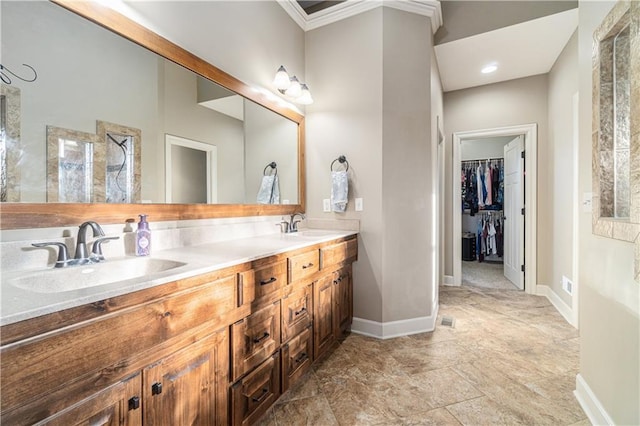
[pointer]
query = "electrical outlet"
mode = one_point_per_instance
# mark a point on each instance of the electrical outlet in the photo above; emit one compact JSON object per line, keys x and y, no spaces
{"x":567,"y":285}
{"x":359,"y":206}
{"x":326,"y":205}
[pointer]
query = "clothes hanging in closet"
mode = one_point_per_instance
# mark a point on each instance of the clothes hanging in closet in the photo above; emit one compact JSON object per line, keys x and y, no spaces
{"x":482,"y":184}
{"x":489,"y":236}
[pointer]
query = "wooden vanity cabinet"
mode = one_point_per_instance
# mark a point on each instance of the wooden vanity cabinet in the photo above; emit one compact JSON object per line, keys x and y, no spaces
{"x":189,"y":387}
{"x":117,"y":405}
{"x":214,"y":349}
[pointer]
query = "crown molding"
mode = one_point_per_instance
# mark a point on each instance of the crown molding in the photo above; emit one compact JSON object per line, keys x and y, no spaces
{"x":429,"y":8}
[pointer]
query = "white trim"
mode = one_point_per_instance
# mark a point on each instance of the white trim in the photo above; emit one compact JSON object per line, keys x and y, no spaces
{"x":560,"y":305}
{"x":590,"y":404}
{"x":448,"y":280}
{"x":349,"y":8}
{"x":389,"y":330}
{"x":530,"y":132}
{"x":211,"y":152}
{"x":575,"y":318}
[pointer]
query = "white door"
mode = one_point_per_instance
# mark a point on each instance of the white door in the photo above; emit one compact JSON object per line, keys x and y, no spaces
{"x":513,"y":204}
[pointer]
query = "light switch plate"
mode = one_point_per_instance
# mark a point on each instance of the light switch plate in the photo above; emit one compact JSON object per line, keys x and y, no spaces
{"x":587,"y":199}
{"x":359,"y":206}
{"x":326,"y":205}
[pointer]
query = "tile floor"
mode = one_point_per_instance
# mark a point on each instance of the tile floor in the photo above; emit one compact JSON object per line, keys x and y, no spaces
{"x":510,"y":359}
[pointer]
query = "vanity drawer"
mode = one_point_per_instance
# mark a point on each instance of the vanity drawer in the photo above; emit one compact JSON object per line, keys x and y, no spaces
{"x":263,"y":280}
{"x":254,"y":339}
{"x":252,"y":396}
{"x":296,"y":358}
{"x":304,"y":265}
{"x":338,"y":253}
{"x":297,"y":312}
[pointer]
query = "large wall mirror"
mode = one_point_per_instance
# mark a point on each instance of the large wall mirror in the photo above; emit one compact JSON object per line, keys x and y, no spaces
{"x":119,"y":116}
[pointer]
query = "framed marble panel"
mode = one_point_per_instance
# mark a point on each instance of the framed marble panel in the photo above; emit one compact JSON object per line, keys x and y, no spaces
{"x":122,"y":171}
{"x":616,"y":126}
{"x":73,"y":157}
{"x":10,"y":149}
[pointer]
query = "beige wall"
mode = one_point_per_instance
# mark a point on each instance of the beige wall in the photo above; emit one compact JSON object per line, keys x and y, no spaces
{"x":515,"y":102}
{"x":609,"y":296}
{"x":344,"y":60}
{"x":373,"y":73}
{"x":563,"y":84}
{"x":407,"y":167}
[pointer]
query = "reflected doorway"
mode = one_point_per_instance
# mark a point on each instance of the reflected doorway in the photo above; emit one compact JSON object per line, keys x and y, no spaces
{"x":191,"y":170}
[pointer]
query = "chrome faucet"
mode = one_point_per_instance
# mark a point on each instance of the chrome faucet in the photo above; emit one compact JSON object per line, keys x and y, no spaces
{"x":82,"y":255}
{"x":293,"y":224}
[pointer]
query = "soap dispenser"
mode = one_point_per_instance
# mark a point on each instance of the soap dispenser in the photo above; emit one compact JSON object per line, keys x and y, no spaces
{"x":143,"y":237}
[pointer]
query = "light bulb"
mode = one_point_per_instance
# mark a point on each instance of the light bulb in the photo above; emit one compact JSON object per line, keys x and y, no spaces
{"x":489,"y":69}
{"x":294,"y":89}
{"x":282,"y":80}
{"x":305,"y":95}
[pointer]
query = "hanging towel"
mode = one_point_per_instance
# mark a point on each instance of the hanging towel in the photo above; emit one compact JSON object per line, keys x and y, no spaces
{"x":339,"y":191}
{"x":269,"y":192}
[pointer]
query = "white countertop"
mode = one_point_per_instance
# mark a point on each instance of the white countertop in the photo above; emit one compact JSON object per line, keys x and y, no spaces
{"x":19,"y":304}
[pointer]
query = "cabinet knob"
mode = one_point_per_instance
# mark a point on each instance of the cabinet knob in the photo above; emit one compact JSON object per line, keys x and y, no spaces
{"x":156,"y":388}
{"x":134,"y":403}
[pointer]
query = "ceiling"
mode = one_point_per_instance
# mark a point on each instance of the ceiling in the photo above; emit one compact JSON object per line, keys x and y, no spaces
{"x":521,"y":50}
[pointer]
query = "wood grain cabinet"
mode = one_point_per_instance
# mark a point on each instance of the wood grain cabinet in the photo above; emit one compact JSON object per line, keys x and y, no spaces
{"x":214,"y":349}
{"x":116,"y":405}
{"x":189,"y":387}
{"x":254,"y":394}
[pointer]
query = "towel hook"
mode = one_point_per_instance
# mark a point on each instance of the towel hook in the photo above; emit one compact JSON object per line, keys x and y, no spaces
{"x":273,"y":166}
{"x":342,"y":160}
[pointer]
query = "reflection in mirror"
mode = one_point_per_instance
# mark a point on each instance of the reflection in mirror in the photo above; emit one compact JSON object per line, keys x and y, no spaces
{"x":73,"y":159}
{"x":110,"y":78}
{"x":9,"y":143}
{"x":190,"y":171}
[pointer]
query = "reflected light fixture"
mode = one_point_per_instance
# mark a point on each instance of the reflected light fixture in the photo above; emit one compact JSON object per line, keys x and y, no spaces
{"x":488,"y":69}
{"x":291,"y":87}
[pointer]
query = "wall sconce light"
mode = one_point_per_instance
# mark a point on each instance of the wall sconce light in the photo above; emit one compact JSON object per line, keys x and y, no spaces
{"x":292,"y":88}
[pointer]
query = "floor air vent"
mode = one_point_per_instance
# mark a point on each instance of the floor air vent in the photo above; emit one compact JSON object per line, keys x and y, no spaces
{"x":448,"y":321}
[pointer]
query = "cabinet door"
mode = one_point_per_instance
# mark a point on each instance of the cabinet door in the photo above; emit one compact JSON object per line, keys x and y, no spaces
{"x":252,"y":396}
{"x":342,"y":302}
{"x":189,"y":387}
{"x":296,"y":358}
{"x":296,"y":312}
{"x":323,"y":335}
{"x":254,"y":339}
{"x":116,"y":405}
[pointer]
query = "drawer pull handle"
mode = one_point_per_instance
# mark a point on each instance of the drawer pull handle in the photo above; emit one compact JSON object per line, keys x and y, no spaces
{"x":156,"y":388}
{"x":302,"y":357}
{"x":260,"y":339}
{"x":265,"y":392}
{"x":308,"y":265}
{"x":269,"y":281}
{"x":134,"y":403}
{"x":301,"y":311}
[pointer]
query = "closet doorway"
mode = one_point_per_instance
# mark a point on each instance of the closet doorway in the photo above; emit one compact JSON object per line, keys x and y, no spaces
{"x":493,"y":185}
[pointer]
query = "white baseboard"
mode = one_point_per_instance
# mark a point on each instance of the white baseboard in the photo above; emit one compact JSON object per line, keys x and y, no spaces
{"x":590,"y":404}
{"x":389,"y":330}
{"x":448,"y":280}
{"x":565,"y":310}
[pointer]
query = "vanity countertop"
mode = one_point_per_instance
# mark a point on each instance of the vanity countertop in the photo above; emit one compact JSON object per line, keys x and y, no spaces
{"x":20,"y":304}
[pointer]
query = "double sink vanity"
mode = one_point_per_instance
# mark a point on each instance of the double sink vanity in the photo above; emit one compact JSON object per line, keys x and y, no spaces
{"x":205,"y":334}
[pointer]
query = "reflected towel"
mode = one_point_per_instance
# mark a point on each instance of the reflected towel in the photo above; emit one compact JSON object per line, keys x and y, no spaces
{"x":339,"y":191}
{"x":269,"y":192}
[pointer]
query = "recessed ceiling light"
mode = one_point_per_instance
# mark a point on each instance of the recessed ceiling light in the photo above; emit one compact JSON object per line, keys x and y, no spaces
{"x":489,"y":69}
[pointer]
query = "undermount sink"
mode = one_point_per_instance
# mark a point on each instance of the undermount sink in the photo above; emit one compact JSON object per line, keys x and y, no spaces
{"x":92,"y":275}
{"x":313,"y":233}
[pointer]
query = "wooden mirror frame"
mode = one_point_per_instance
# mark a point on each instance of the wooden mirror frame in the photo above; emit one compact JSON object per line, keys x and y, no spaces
{"x":43,"y":215}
